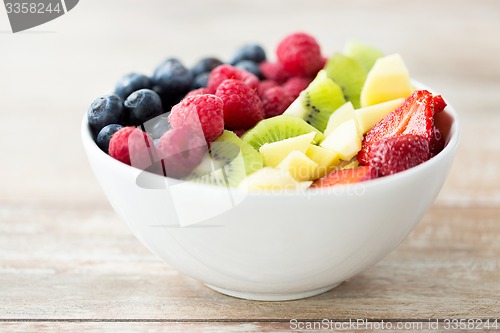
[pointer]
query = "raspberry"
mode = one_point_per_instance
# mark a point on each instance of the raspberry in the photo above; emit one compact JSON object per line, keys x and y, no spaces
{"x":296,"y":84}
{"x":324,"y":60}
{"x":300,"y":55}
{"x":242,"y":107}
{"x":199,"y":91}
{"x":181,"y":150}
{"x":264,"y":85}
{"x":225,"y":72}
{"x":132,"y":146}
{"x":200,"y":110}
{"x":275,"y":101}
{"x":240,"y":132}
{"x":274,"y":71}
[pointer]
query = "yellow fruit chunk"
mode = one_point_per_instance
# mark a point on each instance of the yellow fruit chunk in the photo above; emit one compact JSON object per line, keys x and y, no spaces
{"x":269,"y":178}
{"x":352,"y":165}
{"x":345,"y":139}
{"x":301,"y":167}
{"x":369,"y":116}
{"x":326,"y":159}
{"x":273,"y":153}
{"x":387,"y":80}
{"x":342,"y":114}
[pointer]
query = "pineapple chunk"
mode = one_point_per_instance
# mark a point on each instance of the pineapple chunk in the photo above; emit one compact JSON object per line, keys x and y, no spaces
{"x":301,"y":167}
{"x":387,"y":80}
{"x":369,"y":116}
{"x":351,"y":165}
{"x":269,"y":178}
{"x":345,"y":139}
{"x":273,"y":153}
{"x":342,"y":114}
{"x":326,"y":159}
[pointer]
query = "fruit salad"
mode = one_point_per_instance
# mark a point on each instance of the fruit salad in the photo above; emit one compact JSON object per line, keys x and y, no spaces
{"x":300,"y":121}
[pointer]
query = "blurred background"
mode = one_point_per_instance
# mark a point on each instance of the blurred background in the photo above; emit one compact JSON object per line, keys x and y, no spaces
{"x":50,"y":74}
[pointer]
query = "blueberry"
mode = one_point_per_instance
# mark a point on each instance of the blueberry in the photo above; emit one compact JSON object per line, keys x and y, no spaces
{"x":130,"y":83}
{"x":105,"y":135}
{"x":171,"y":78}
{"x":205,"y":65}
{"x":105,"y":110}
{"x":252,"y":52}
{"x":200,"y":81}
{"x":167,"y":101}
{"x":143,"y":105}
{"x":251,"y":67}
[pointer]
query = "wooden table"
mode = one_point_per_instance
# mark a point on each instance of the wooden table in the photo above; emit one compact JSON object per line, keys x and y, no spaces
{"x":67,"y":263}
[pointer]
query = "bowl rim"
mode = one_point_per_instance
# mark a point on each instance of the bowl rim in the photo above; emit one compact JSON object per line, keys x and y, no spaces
{"x":450,"y":146}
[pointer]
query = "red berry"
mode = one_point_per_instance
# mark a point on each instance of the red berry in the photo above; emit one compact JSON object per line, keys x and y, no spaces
{"x":274,"y":71}
{"x":439,"y":104}
{"x":226,"y":72}
{"x":398,"y":153}
{"x":346,"y":176}
{"x":205,"y":111}
{"x":275,"y":101}
{"x":132,"y":146}
{"x":240,"y":132}
{"x":437,"y":142}
{"x":199,"y":91}
{"x":181,"y":150}
{"x":414,"y":116}
{"x":422,"y":118}
{"x":296,"y":84}
{"x":264,"y":85}
{"x":242,"y":107}
{"x":300,"y":55}
{"x":324,"y":60}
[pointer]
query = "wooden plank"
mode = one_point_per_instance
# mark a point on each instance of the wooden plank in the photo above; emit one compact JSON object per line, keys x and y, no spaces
{"x":125,"y":327}
{"x":84,"y":264}
{"x":220,"y":327}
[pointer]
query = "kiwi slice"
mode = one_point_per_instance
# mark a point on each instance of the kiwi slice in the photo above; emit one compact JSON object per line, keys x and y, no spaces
{"x":362,"y":53}
{"x":251,"y":157}
{"x":227,"y":163}
{"x":222,"y":166}
{"x":279,"y":128}
{"x":320,"y":99}
{"x":349,"y":74}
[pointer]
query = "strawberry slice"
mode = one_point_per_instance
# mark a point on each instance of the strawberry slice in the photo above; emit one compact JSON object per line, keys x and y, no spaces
{"x":414,"y":116}
{"x":398,"y":153}
{"x":346,"y":176}
{"x":439,"y":104}
{"x":437,"y":142}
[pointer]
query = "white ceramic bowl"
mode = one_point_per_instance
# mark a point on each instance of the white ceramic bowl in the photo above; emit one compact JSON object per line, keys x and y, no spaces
{"x":272,"y":246}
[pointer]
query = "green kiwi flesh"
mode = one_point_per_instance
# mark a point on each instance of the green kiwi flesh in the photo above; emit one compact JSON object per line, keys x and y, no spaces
{"x":349,"y":74}
{"x":227,"y":163}
{"x":321,"y":98}
{"x":364,"y":54}
{"x":279,"y":128}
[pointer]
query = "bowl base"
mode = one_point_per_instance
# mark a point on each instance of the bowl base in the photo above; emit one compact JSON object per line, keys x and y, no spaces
{"x":270,"y":296}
